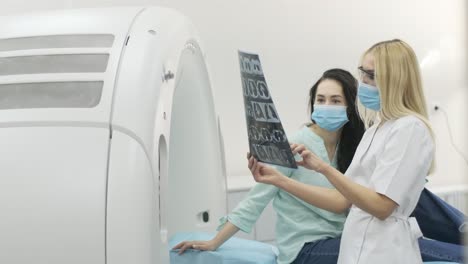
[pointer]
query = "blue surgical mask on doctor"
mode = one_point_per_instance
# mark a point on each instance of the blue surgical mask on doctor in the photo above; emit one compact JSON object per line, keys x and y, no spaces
{"x":330,"y":117}
{"x":369,"y":96}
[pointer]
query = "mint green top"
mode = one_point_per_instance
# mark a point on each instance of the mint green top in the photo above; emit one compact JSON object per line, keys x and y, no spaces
{"x":297,"y":221}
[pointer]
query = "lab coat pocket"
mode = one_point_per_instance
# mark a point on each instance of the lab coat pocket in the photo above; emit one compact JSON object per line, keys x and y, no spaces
{"x":354,"y":235}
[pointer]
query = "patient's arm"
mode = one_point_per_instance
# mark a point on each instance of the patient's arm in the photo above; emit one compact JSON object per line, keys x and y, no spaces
{"x":224,"y":234}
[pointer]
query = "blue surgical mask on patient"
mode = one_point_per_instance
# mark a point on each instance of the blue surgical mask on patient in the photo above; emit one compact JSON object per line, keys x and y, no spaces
{"x":330,"y":117}
{"x":369,"y":96}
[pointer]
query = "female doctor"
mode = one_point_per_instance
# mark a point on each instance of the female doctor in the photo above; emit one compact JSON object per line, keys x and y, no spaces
{"x":387,"y":174}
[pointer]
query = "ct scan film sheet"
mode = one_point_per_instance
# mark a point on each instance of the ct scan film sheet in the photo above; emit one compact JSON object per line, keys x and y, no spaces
{"x":267,"y":139}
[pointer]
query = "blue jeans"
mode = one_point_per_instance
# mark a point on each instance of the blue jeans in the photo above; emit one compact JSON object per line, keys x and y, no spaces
{"x":323,"y":251}
{"x":326,"y":251}
{"x":437,"y":219}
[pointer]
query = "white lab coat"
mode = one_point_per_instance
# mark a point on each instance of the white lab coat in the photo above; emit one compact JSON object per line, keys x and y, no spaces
{"x":393,"y":160}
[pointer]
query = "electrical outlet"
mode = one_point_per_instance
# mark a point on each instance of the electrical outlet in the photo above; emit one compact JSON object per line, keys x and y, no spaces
{"x":434,"y":107}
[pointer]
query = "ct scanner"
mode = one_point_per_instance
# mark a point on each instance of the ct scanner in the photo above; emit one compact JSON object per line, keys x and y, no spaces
{"x":109,"y":139}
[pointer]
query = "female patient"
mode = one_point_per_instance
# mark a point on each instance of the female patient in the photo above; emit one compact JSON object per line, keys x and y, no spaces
{"x":299,"y":222}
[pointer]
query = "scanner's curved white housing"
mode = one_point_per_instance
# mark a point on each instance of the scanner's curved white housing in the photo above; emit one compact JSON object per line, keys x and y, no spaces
{"x":109,"y":140}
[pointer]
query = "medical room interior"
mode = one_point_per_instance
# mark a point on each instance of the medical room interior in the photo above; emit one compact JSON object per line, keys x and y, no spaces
{"x":125,"y":137}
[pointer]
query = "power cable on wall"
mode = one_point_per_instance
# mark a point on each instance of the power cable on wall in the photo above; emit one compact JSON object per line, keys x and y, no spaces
{"x":452,"y":142}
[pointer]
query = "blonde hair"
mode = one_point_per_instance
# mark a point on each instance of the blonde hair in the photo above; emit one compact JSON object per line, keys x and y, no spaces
{"x":399,"y":81}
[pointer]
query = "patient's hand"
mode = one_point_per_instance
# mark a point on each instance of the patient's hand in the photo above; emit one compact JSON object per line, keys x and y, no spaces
{"x":309,"y":159}
{"x":264,"y":173}
{"x":199,"y":245}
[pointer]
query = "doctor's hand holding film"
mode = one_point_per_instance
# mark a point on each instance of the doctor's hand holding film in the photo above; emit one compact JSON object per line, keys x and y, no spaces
{"x":266,"y":174}
{"x":309,"y":159}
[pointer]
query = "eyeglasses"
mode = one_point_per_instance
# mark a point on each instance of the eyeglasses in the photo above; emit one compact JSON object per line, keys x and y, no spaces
{"x":368,"y":73}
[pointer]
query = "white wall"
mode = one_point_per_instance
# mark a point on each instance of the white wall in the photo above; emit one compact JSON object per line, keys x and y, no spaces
{"x":298,"y":40}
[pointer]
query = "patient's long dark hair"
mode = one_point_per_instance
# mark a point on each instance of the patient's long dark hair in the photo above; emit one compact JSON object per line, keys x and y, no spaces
{"x":352,"y":130}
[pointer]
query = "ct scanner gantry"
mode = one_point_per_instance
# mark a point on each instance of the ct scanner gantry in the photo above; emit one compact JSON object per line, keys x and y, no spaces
{"x":109,"y":139}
